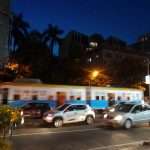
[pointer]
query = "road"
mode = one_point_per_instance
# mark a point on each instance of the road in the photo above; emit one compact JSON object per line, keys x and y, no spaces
{"x":80,"y":137}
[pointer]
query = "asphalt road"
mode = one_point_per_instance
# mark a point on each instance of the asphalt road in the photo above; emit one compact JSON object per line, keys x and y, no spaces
{"x":33,"y":136}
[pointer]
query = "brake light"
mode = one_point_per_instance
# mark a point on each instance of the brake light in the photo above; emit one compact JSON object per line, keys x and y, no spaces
{"x":21,"y":113}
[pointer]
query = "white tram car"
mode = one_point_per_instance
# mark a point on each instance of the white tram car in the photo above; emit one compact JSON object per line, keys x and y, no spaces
{"x":17,"y":94}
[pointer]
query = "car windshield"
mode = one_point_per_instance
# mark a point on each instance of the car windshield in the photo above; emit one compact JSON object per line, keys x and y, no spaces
{"x":62,"y":107}
{"x":124,"y":107}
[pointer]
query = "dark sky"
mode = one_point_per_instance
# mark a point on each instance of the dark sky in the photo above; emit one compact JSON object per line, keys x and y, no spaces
{"x":125,"y":19}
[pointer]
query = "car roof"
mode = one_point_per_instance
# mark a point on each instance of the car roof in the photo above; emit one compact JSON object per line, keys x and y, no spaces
{"x":76,"y":104}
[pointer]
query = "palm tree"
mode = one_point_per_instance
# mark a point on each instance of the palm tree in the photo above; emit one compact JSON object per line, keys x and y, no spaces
{"x":51,"y":35}
{"x":19,"y":29}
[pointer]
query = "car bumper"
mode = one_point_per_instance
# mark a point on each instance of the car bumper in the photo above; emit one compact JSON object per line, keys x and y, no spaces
{"x":48,"y":119}
{"x":112,"y":122}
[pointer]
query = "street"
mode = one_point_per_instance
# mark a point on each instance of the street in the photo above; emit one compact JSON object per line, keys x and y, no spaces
{"x":80,"y":137}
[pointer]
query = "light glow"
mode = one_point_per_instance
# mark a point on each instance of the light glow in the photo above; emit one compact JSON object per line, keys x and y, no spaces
{"x":118,"y":118}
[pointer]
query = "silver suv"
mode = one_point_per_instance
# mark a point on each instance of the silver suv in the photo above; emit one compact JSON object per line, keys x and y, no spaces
{"x":69,"y":113}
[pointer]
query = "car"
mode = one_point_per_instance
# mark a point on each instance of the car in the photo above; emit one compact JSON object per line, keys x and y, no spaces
{"x":128,"y":114}
{"x":34,"y":109}
{"x":69,"y":113}
{"x":112,"y":108}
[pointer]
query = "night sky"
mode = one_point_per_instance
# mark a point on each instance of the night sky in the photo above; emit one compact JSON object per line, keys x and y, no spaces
{"x":125,"y":19}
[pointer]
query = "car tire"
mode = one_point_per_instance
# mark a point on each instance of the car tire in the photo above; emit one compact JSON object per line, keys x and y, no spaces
{"x":58,"y":123}
{"x":89,"y":120}
{"x":128,"y":124}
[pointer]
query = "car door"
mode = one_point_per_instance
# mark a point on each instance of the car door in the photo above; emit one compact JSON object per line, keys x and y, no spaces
{"x":70,"y":114}
{"x":81,"y":112}
{"x":146,"y":113}
{"x":137,"y":114}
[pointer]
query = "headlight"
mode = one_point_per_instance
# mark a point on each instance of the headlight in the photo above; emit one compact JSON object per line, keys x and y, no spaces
{"x":118,"y":118}
{"x":105,"y":116}
{"x":112,"y":110}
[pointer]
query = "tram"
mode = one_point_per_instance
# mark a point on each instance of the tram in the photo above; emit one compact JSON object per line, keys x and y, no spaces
{"x":17,"y":94}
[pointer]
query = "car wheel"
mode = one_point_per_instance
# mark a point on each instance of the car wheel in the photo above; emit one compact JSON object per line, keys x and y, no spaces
{"x":58,"y":123}
{"x":89,"y":120}
{"x":128,"y":124}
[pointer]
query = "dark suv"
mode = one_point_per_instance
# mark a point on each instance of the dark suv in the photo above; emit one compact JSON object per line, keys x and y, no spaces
{"x":34,"y":109}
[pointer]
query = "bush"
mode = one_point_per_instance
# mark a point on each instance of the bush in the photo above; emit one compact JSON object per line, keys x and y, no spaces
{"x":5,"y":145}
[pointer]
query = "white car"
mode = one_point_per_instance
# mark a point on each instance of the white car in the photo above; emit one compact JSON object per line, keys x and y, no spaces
{"x":69,"y":113}
{"x":128,"y":114}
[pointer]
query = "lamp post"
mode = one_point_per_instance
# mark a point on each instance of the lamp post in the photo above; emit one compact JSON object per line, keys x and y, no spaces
{"x":93,"y":75}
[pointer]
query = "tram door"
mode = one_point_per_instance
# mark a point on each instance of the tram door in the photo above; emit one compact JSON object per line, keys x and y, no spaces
{"x":61,"y":98}
{"x":111,"y":99}
{"x":5,"y":95}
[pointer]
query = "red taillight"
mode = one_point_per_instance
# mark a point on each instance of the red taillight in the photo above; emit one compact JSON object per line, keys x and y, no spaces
{"x":21,"y":112}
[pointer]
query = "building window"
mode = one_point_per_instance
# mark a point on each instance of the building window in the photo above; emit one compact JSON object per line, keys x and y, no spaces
{"x":93,"y":44}
{"x":89,"y":60}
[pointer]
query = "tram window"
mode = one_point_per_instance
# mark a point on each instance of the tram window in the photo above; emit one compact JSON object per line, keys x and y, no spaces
{"x":71,"y":97}
{"x":50,"y":97}
{"x":128,"y":98}
{"x":97,"y":97}
{"x":103,"y":97}
{"x":78,"y":98}
{"x":88,"y":97}
{"x":119,"y":98}
{"x":34,"y":97}
{"x":16,"y":97}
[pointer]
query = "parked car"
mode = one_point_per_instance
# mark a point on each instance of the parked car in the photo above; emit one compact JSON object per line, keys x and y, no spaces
{"x":69,"y":113}
{"x":34,"y":109}
{"x":128,"y":114}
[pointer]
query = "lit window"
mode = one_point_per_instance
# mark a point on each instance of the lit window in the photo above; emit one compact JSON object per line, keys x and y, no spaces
{"x":89,"y":59}
{"x":93,"y":44}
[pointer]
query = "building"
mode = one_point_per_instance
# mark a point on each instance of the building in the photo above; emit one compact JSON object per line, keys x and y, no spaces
{"x":143,"y":43}
{"x":103,"y":51}
{"x":73,"y":38}
{"x":4,"y":30}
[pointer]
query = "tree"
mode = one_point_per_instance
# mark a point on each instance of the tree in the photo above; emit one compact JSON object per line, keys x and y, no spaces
{"x":51,"y":35}
{"x":8,"y":117}
{"x":129,"y":72}
{"x":19,"y":29}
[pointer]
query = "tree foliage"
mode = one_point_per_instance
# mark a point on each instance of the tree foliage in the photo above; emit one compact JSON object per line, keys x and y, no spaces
{"x":8,"y":116}
{"x":19,"y":29}
{"x":51,"y":35}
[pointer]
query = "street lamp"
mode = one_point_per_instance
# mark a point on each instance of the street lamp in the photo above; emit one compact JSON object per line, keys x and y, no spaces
{"x":93,"y":75}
